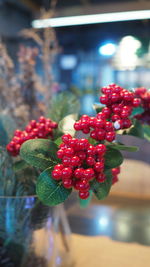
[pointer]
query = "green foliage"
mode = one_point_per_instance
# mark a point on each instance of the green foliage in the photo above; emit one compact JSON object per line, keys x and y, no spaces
{"x":146,"y":129}
{"x":101,"y":190}
{"x":120,"y":146}
{"x":40,"y":153}
{"x":20,"y":165}
{"x":137,"y":129}
{"x":7,"y":127}
{"x":85,"y":202}
{"x":49,"y":191}
{"x":62,"y":105}
{"x":113,"y":158}
{"x":98,"y":107}
{"x":137,"y":111}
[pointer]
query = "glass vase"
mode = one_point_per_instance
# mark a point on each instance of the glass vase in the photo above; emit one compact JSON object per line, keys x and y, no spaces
{"x":33,"y":235}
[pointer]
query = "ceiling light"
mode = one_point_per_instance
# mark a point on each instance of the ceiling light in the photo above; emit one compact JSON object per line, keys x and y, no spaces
{"x":107,"y":49}
{"x":91,"y":19}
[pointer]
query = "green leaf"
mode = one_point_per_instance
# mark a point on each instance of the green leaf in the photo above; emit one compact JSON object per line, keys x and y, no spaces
{"x":113,"y":158}
{"x":66,"y":125}
{"x":146,"y":129}
{"x":58,"y":141}
{"x":40,"y":153}
{"x":137,"y":111}
{"x":92,"y":141}
{"x":85,"y":202}
{"x":137,"y":129}
{"x":19,"y":165}
{"x":49,"y":191}
{"x":123,"y":147}
{"x":101,"y":190}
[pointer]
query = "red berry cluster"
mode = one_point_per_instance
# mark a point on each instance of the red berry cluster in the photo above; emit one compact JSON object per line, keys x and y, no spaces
{"x":144,"y":95}
{"x":115,"y":172}
{"x":101,"y":128}
{"x":43,"y":128}
{"x":119,"y":105}
{"x":81,"y":163}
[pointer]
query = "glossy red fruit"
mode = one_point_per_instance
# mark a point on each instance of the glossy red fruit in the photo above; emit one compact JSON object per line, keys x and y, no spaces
{"x":60,"y":153}
{"x":106,"y":90}
{"x":91,"y":150}
{"x":59,"y":166}
{"x":73,"y":142}
{"x":101,"y":149}
{"x":78,"y":173}
{"x":89,"y":174}
{"x":101,"y":178}
{"x":92,"y":122}
{"x":82,"y":185}
{"x":115,"y":117}
{"x":116,"y":171}
{"x":99,"y":166}
{"x":69,"y":152}
{"x":127,"y":123}
{"x":75,"y":161}
{"x":66,"y":137}
{"x":101,"y":116}
{"x":57,"y":174}
{"x":18,"y":133}
{"x":100,"y":134}
{"x":81,"y":155}
{"x":90,"y":161}
{"x":109,"y":126}
{"x":100,"y":123}
{"x":128,"y":96}
{"x":104,"y":99}
{"x":136,"y":102}
{"x":77,"y":126}
{"x":86,"y":130}
{"x":84,"y":195}
{"x":67,"y":183}
{"x":83,"y":144}
{"x":117,"y":109}
{"x":107,"y":112}
{"x":118,"y":124}
{"x":110,"y":136}
{"x":66,"y":161}
{"x":115,"y":97}
{"x":93,"y":134}
{"x":66,"y":173}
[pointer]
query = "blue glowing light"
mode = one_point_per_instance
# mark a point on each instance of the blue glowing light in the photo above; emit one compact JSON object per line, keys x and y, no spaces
{"x":108,"y":49}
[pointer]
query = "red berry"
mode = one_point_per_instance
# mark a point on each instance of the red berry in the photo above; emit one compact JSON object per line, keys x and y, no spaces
{"x":75,"y":161}
{"x":128,"y":96}
{"x":106,"y":90}
{"x":78,"y":173}
{"x":66,"y":173}
{"x":115,"y":179}
{"x":127,"y":123}
{"x":86,"y":130}
{"x":109,"y":126}
{"x":42,"y":119}
{"x":117,"y":110}
{"x":66,"y":137}
{"x":107,"y":112}
{"x":68,"y":152}
{"x":67,"y":183}
{"x":93,"y":134}
{"x":84,"y":195}
{"x":100,"y":134}
{"x":118,"y":124}
{"x":99,"y":166}
{"x":81,"y":155}
{"x":57,"y":174}
{"x":83,"y":144}
{"x":115,"y":97}
{"x":101,"y":149}
{"x":73,"y":142}
{"x":28,"y":128}
{"x":54,"y":125}
{"x":77,"y":126}
{"x":17,"y":133}
{"x":59,"y":166}
{"x":60,"y":153}
{"x":91,"y":150}
{"x":100,"y":123}
{"x":116,"y":171}
{"x":115,"y":117}
{"x":101,"y":116}
{"x":66,"y":161}
{"x":101,"y":178}
{"x":110,"y":136}
{"x":90,"y":161}
{"x":89,"y":174}
{"x":136,"y":102}
{"x":104,"y":99}
{"x":92,"y":122}
{"x":82,"y":185}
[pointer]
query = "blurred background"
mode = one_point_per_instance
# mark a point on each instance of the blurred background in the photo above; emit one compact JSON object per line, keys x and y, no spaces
{"x":78,"y":56}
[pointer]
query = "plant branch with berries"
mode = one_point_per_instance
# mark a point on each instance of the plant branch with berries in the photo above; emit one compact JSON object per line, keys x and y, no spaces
{"x":88,"y":165}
